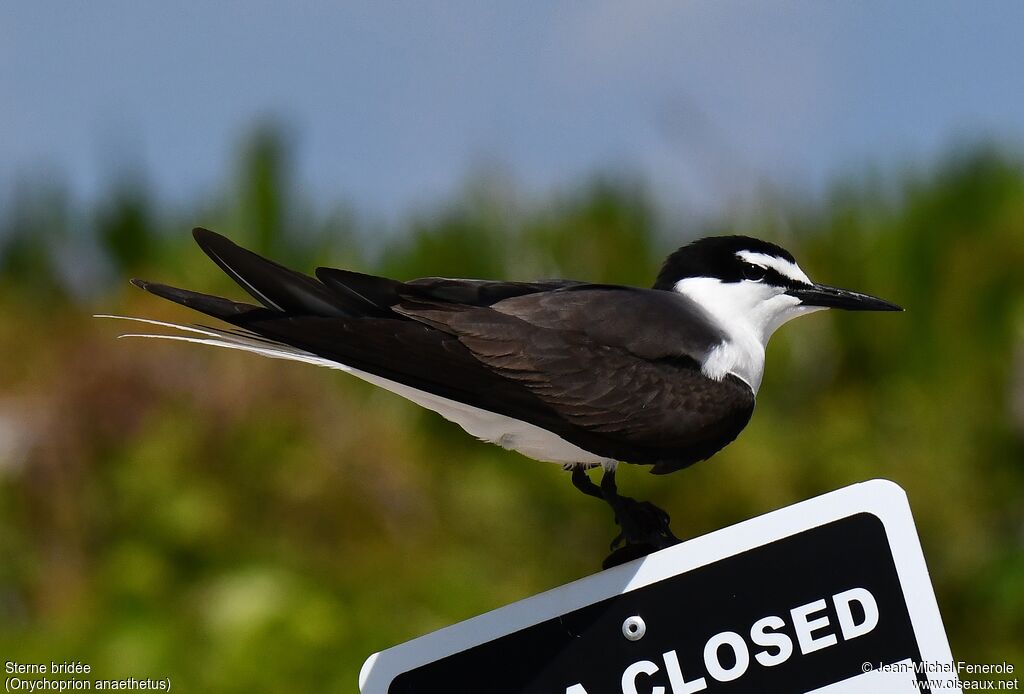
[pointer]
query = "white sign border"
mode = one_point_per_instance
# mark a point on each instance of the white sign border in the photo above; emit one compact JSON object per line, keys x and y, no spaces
{"x":882,"y":498}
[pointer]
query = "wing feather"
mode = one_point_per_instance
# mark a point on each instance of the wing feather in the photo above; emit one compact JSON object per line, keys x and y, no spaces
{"x":636,"y":381}
{"x":612,"y":370}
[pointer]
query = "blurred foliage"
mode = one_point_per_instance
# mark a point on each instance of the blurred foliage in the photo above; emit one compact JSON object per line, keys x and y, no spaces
{"x":245,"y":525}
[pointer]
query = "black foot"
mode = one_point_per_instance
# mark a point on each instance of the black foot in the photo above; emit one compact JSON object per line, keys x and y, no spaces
{"x":627,"y":553}
{"x":642,"y":523}
{"x":644,"y":526}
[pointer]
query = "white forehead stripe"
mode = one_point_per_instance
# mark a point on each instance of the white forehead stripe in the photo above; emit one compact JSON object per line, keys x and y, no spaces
{"x":780,"y":265}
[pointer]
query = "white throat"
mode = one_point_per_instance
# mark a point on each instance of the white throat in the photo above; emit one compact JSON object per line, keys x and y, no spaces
{"x":748,"y":313}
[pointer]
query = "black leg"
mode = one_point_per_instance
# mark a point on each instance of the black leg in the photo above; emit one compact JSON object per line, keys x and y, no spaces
{"x":644,"y":526}
{"x":582,"y":481}
{"x":608,"y":486}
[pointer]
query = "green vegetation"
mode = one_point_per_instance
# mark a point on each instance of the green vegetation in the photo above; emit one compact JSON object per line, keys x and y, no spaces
{"x":248,"y":525}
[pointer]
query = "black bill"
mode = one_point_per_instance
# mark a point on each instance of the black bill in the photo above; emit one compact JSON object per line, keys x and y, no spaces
{"x":833,"y":297}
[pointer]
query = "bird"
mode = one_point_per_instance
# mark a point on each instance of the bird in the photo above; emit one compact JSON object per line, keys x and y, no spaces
{"x":583,"y":374}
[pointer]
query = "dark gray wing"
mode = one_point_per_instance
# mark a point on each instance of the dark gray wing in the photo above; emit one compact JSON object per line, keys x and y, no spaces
{"x":346,"y":292}
{"x":619,"y":363}
{"x":479,"y":292}
{"x":646,"y":323}
{"x":378,"y":294}
{"x":613,"y":370}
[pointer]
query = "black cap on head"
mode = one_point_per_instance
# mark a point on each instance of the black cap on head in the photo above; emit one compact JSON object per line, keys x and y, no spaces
{"x":714,"y":256}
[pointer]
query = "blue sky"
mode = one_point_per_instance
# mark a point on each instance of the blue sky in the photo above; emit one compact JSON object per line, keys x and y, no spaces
{"x":395,"y":104}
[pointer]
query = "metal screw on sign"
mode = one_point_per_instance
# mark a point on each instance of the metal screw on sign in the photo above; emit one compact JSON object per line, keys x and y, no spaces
{"x":634,"y":628}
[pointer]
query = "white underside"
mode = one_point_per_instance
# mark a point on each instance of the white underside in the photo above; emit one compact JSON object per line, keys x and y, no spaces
{"x":507,"y":432}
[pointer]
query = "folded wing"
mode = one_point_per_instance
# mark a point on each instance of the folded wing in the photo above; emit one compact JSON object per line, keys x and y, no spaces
{"x":613,"y":370}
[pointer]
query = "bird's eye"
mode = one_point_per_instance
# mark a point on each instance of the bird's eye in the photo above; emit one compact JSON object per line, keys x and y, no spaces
{"x":754,"y":273}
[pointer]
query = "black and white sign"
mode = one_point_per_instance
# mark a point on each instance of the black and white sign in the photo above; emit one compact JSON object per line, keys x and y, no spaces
{"x":829,"y":596}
